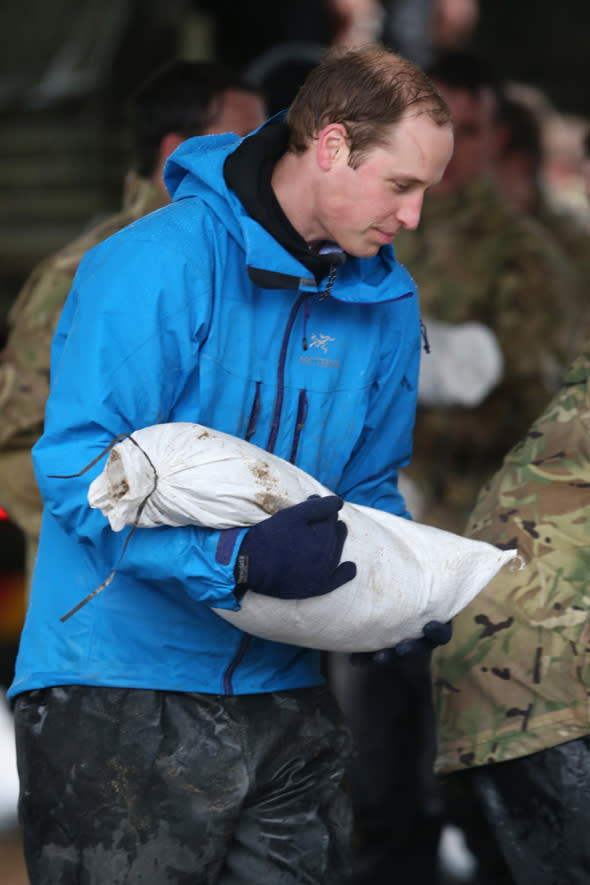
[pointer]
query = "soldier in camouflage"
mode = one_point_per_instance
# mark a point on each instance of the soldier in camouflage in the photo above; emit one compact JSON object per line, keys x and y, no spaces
{"x":512,"y":688}
{"x":514,"y":679}
{"x":181,"y":100}
{"x":473,"y":258}
{"x":518,"y":172}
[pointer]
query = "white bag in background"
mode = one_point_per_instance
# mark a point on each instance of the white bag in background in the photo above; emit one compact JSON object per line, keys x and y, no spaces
{"x":464,"y":365}
{"x":407,"y":573}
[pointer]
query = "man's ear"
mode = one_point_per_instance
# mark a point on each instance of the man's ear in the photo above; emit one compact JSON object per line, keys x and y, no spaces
{"x":168,"y":144}
{"x":332,"y":145}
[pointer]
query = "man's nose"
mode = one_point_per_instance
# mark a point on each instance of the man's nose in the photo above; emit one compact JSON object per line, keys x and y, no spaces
{"x":409,"y":213}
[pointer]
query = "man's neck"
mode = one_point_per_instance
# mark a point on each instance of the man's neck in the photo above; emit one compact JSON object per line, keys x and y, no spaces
{"x":291,"y":182}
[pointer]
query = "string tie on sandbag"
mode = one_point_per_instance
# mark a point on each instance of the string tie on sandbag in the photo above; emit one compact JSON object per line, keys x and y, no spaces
{"x":94,"y":461}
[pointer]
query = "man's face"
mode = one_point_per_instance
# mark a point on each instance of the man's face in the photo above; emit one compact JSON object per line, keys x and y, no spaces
{"x":363,"y":209}
{"x":473,"y":119}
{"x":240,"y":112}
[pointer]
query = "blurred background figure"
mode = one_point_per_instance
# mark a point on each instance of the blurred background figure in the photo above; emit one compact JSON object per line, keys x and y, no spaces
{"x":453,"y":23}
{"x":301,"y":33}
{"x":289,"y":42}
{"x":279,"y":61}
{"x":520,"y":172}
{"x":180,"y":100}
{"x":518,"y":166}
{"x":476,"y":259}
{"x":420,"y":29}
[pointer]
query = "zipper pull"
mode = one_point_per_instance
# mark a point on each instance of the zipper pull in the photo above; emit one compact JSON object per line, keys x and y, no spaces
{"x":329,"y":282}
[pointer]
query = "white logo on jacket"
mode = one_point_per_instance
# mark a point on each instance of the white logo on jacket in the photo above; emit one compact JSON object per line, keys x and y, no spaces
{"x":320,"y":341}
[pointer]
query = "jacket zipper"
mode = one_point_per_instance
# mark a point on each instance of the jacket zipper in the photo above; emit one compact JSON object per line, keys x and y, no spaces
{"x":251,"y":429}
{"x":234,"y":663}
{"x":300,"y":423}
{"x":272,"y":438}
{"x":274,"y":428}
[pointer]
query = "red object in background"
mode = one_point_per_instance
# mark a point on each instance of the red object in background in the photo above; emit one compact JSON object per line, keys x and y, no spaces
{"x":12,"y":580}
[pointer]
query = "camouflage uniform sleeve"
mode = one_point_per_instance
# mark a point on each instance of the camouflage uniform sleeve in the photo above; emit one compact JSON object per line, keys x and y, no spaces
{"x":25,"y":360}
{"x":515,"y":678}
{"x":24,"y":386}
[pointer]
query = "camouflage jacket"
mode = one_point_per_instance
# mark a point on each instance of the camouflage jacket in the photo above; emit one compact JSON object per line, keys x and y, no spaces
{"x":475,"y":259}
{"x":24,"y":362}
{"x":571,"y":233}
{"x":515,"y":677}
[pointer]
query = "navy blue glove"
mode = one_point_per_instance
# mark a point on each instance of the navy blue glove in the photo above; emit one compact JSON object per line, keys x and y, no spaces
{"x":434,"y":633}
{"x":295,"y":553}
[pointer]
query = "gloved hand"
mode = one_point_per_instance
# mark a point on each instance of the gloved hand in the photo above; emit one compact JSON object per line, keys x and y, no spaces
{"x":433,"y":633}
{"x":295,"y":554}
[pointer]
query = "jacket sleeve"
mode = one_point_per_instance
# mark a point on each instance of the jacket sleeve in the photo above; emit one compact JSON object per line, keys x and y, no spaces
{"x":127,"y":343}
{"x":371,"y":475}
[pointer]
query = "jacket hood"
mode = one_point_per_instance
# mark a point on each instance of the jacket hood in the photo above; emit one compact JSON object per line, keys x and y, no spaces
{"x":195,"y":170}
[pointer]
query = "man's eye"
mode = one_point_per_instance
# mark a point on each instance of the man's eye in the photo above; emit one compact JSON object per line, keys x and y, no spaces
{"x":400,"y":187}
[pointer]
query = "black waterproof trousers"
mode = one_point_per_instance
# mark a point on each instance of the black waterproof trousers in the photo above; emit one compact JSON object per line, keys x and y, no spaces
{"x":136,"y":786}
{"x":397,"y":800}
{"x":528,"y":820}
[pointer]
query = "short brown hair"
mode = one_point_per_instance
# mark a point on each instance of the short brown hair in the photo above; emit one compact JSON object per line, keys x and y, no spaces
{"x":367,"y":90}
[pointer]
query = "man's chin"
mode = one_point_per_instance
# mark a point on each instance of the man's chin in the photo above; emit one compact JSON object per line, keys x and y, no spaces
{"x":367,"y":250}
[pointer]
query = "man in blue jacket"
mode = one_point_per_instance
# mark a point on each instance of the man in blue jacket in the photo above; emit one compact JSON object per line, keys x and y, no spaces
{"x":156,"y":742}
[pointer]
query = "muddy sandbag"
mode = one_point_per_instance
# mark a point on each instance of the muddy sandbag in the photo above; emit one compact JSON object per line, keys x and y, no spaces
{"x":407,"y":573}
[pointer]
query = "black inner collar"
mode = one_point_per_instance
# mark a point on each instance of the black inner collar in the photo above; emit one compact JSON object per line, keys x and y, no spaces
{"x":248,"y":172}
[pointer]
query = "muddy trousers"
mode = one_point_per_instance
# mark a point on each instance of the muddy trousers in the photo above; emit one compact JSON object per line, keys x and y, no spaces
{"x":527,"y":819}
{"x":136,"y":786}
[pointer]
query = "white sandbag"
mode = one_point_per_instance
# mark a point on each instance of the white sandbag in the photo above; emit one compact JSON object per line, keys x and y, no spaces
{"x":464,"y":364}
{"x":407,"y":573}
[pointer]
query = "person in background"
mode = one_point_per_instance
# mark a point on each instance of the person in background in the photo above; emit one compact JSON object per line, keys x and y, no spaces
{"x":518,"y":174}
{"x":209,"y":754}
{"x":182,"y":99}
{"x":475,"y":259}
{"x":419,"y":29}
{"x":511,"y":688}
{"x":518,"y":164}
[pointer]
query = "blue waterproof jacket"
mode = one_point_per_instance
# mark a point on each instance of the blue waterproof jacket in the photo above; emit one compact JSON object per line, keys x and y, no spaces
{"x":195,"y":313}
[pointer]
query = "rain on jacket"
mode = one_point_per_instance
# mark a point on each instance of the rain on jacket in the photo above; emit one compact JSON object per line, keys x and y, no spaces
{"x":195,"y":313}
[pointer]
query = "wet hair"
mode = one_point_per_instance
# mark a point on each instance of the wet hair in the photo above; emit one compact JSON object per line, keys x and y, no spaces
{"x":461,"y":69}
{"x":367,"y":90}
{"x":183,"y":97}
